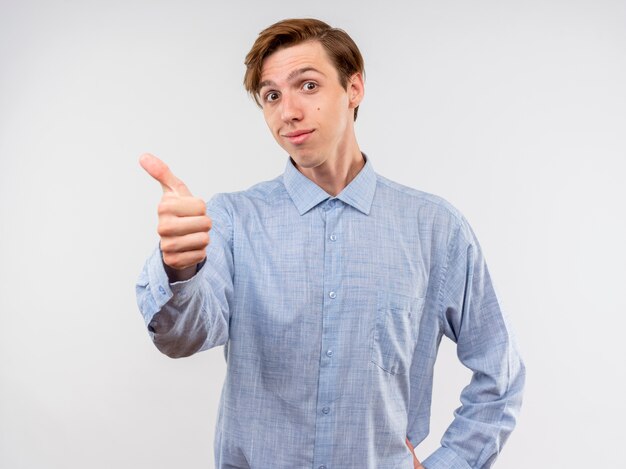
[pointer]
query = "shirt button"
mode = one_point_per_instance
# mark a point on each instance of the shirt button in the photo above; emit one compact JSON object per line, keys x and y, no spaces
{"x":333,"y":237}
{"x":329,"y":353}
{"x":161,"y":290}
{"x":326,"y":410}
{"x":333,"y":295}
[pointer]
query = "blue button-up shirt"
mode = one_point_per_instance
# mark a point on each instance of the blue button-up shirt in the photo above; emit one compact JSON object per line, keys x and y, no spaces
{"x":330,"y":311}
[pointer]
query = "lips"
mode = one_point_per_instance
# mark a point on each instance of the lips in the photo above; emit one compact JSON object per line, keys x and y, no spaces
{"x":299,"y":136}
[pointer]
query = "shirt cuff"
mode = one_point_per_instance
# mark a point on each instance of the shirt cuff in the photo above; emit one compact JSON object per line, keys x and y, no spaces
{"x":160,"y":287}
{"x":445,"y":458}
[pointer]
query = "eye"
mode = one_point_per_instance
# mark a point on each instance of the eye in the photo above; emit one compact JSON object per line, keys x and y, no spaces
{"x":309,"y":86}
{"x":271,"y":96}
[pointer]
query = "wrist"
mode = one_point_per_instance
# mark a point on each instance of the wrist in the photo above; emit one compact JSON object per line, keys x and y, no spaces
{"x":180,"y":275}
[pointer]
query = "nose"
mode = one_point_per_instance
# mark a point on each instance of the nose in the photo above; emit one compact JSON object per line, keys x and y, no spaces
{"x":291,"y":109}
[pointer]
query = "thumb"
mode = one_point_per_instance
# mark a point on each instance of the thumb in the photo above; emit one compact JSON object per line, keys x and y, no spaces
{"x":159,"y":171}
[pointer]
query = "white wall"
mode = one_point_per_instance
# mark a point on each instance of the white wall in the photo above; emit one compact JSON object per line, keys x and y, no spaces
{"x":513,"y":111}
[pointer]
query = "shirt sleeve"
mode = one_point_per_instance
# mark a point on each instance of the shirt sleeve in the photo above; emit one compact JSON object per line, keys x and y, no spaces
{"x":193,"y":315}
{"x":471,"y":316}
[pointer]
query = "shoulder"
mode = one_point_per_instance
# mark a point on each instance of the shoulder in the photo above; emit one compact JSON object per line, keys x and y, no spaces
{"x":415,"y":201}
{"x":432,"y":213}
{"x":260,"y":193}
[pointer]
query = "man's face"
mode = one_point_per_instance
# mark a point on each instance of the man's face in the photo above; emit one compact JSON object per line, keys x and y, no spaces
{"x":307,"y":110}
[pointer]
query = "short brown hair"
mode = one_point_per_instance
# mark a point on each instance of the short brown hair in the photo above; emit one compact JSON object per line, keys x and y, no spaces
{"x":340,"y":47}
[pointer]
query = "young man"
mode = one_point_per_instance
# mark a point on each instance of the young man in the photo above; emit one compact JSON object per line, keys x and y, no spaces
{"x":330,"y":288}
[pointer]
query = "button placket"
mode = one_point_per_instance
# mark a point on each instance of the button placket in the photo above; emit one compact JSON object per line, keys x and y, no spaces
{"x":329,"y":368}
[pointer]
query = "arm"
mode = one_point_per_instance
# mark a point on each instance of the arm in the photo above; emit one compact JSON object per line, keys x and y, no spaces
{"x":471,"y":316}
{"x":188,"y":316}
{"x":185,"y":307}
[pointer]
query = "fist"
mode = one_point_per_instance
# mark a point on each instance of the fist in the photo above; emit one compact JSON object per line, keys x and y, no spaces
{"x":183,"y":224}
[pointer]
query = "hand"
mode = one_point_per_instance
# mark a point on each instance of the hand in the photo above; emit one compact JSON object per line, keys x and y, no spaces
{"x":416,"y":463}
{"x":183,"y":224}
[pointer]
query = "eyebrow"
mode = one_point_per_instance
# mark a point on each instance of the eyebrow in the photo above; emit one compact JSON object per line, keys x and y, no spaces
{"x":291,"y":76}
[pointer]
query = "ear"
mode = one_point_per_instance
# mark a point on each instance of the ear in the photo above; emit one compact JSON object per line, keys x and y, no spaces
{"x":356,"y":90}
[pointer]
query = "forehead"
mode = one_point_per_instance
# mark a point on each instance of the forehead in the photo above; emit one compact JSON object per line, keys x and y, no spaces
{"x":281,"y":63}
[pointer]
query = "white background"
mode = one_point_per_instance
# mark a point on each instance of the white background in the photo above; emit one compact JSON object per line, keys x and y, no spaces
{"x":513,"y":111}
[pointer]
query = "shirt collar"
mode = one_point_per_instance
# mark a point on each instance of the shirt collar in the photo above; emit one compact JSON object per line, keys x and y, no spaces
{"x":306,"y":194}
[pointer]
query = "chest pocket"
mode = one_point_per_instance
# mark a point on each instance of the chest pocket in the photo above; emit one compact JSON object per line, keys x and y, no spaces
{"x":395,"y":331}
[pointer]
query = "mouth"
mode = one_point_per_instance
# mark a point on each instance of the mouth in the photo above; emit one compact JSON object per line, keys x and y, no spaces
{"x":297,"y":137}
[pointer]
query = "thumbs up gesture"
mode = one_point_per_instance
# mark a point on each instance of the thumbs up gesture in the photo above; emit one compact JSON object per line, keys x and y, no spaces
{"x":183,"y":224}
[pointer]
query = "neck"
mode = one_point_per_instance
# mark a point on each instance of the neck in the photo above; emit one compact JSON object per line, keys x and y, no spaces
{"x":334,"y":175}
